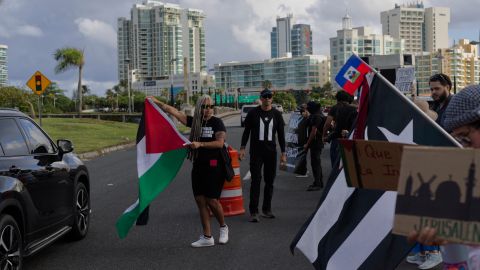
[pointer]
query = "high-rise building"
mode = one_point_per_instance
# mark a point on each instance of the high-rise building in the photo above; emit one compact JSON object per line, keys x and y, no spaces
{"x":286,"y":39}
{"x":301,"y":40}
{"x":361,"y":41}
{"x":422,"y":29}
{"x":157,"y":38}
{"x":461,"y":62}
{"x":436,"y":28}
{"x":3,"y":65}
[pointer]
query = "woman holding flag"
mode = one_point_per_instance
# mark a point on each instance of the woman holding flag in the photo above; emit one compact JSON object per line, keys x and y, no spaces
{"x":207,"y":135}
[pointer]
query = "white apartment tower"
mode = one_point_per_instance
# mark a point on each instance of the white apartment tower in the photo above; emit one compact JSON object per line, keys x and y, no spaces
{"x":436,"y":28}
{"x":423,"y":29}
{"x":3,"y":65}
{"x":157,"y":38}
{"x":361,"y":41}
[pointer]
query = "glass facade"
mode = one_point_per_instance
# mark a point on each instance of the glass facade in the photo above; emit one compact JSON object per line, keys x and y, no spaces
{"x":157,"y":39}
{"x":299,"y":73}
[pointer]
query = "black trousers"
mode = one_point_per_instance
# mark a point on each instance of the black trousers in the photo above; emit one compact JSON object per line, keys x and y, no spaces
{"x":268,"y":160}
{"x":316,"y":162}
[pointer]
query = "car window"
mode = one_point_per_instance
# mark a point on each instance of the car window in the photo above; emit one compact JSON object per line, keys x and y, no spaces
{"x":247,"y":109}
{"x":12,"y":142}
{"x":39,"y":143}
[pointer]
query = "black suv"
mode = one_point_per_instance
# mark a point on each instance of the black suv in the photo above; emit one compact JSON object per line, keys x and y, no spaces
{"x":44,"y":190}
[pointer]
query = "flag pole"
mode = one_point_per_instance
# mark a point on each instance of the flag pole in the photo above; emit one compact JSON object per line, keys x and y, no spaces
{"x":408,"y":100}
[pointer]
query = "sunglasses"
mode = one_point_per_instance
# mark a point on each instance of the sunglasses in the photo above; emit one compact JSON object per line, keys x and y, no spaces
{"x":267,"y":96}
{"x":204,"y":107}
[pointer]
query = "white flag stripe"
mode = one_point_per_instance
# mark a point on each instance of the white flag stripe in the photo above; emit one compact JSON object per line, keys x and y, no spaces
{"x":270,"y":130}
{"x":325,"y":217}
{"x":367,"y":235}
{"x":131,"y":207}
{"x":145,"y":161}
{"x":261,"y":132}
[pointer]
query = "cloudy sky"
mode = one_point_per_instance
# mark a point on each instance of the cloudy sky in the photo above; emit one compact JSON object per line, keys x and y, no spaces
{"x":235,"y":30}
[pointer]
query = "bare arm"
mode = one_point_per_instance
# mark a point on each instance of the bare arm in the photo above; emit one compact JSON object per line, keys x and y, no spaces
{"x":327,"y":125}
{"x":171,"y":110}
{"x":218,"y":143}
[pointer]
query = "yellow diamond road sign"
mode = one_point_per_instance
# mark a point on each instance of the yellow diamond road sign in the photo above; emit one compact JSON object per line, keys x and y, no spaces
{"x":38,"y":83}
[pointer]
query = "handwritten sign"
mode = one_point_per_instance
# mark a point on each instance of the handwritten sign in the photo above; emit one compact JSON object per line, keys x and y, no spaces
{"x":438,"y":187}
{"x":404,"y":78}
{"x":371,"y":164}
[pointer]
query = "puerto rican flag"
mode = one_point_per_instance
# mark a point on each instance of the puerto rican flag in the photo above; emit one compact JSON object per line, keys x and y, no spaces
{"x":352,"y":74}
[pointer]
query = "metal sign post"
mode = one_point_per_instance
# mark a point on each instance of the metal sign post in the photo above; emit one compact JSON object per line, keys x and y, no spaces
{"x":38,"y":83}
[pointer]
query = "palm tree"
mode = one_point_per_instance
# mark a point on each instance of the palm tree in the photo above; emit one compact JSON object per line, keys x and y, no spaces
{"x":68,"y":58}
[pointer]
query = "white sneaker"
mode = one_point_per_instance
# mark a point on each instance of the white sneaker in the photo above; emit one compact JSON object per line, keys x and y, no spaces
{"x":203,"y":242}
{"x":223,"y":239}
{"x":418,"y":258}
{"x":431,"y":260}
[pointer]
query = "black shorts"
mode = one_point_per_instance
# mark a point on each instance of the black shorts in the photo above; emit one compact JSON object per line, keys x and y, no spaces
{"x":208,"y":178}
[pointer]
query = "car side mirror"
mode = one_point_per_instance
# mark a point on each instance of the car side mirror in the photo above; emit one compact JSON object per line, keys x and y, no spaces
{"x":65,"y":146}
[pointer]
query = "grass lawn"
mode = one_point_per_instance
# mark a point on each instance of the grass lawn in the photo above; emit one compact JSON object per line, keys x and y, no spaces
{"x":90,"y":134}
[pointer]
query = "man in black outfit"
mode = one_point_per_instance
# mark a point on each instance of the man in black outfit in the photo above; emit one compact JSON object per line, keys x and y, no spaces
{"x":262,"y":123}
{"x":343,"y":115}
{"x":316,"y":120}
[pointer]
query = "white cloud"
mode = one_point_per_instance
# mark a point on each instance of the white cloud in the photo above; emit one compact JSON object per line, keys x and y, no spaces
{"x":98,"y":31}
{"x":29,"y":30}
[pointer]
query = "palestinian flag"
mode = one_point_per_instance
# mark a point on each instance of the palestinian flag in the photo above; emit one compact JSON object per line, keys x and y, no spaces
{"x":160,"y":154}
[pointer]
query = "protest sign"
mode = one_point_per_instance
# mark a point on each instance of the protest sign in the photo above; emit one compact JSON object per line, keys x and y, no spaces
{"x":404,"y":78}
{"x":295,"y":139}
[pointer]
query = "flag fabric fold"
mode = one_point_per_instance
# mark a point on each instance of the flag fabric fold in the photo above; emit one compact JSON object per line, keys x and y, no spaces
{"x":351,"y":228}
{"x":160,"y":155}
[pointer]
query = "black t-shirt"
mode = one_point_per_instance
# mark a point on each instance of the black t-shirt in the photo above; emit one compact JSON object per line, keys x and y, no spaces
{"x":316,"y":120}
{"x":209,"y":128}
{"x":262,"y":126}
{"x":344,"y":115}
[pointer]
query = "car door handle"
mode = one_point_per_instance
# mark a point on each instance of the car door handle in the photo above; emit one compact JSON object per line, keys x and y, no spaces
{"x":14,"y":169}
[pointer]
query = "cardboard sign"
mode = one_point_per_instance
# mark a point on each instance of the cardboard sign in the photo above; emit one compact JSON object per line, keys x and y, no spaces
{"x":371,"y":164}
{"x":439,"y":187}
{"x":404,"y":79}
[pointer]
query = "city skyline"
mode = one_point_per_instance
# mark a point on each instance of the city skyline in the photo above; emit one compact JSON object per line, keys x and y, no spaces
{"x":33,"y":34}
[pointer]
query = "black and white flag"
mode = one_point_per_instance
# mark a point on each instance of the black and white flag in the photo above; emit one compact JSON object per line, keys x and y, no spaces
{"x":351,"y":228}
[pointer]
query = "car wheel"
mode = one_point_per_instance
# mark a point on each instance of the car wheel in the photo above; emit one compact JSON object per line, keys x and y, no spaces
{"x":82,"y":212}
{"x":10,"y":244}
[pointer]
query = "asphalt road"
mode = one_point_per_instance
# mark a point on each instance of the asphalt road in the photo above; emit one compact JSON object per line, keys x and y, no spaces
{"x":174,"y":223}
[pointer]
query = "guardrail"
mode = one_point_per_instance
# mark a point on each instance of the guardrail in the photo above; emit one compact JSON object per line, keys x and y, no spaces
{"x":126,"y":117}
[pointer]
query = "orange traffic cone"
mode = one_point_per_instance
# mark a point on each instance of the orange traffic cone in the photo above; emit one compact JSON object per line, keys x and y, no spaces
{"x":231,"y":198}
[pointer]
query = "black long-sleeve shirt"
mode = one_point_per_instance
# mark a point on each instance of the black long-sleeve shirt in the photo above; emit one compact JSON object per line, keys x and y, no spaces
{"x":263,"y":126}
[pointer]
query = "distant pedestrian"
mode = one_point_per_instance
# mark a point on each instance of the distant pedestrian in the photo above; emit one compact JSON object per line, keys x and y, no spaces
{"x":207,"y":135}
{"x":262,"y":124}
{"x":316,"y":121}
{"x":342,"y":115}
{"x":302,"y":133}
{"x":440,"y":87}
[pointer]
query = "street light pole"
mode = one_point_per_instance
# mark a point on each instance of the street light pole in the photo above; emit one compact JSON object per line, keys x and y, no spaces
{"x":171,"y":81}
{"x":128,"y":85}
